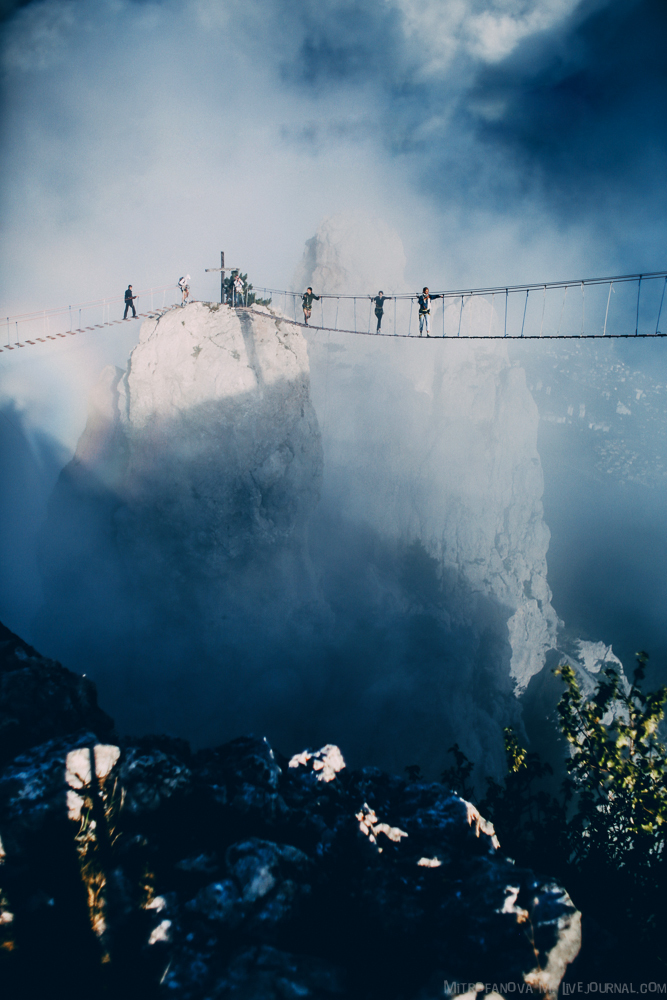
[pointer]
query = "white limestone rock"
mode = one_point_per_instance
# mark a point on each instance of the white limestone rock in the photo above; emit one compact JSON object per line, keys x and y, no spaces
{"x":350,"y":254}
{"x":434,"y":442}
{"x":220,"y":441}
{"x":183,"y":514}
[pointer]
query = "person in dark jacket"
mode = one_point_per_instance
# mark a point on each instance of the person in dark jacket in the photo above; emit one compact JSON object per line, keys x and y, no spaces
{"x":307,"y":303}
{"x":129,"y":302}
{"x":425,"y":300}
{"x":380,"y":300}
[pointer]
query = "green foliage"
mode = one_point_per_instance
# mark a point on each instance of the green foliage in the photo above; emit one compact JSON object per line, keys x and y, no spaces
{"x":249,"y":296}
{"x":616,"y":772}
{"x":604,"y":837}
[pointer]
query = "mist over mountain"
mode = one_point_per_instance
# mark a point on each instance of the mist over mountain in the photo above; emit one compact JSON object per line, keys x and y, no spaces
{"x":317,"y":536}
{"x":304,"y":539}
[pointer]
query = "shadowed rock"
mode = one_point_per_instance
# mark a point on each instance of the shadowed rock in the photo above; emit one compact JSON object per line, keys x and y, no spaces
{"x":227,"y":873}
{"x":40,"y":699}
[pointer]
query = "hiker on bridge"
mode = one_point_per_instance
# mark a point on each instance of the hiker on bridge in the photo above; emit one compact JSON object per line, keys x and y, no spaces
{"x":425,"y":300}
{"x":380,"y":300}
{"x":307,"y":303}
{"x":129,"y":302}
{"x":184,"y":285}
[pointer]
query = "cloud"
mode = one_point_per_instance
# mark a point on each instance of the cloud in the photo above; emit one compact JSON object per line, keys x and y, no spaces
{"x":476,"y":116}
{"x":583,"y":106}
{"x":504,"y":140}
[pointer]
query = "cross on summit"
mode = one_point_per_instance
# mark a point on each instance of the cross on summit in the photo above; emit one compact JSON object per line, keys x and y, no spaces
{"x":222,"y":270}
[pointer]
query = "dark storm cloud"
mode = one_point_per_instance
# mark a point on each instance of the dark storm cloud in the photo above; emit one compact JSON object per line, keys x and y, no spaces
{"x":574,"y":110}
{"x":584,"y":105}
{"x":576,"y":99}
{"x":8,"y":7}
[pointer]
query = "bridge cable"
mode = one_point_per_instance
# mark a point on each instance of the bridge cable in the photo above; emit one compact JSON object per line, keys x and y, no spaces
{"x":561,"y":312}
{"x":662,"y":297}
{"x":525,"y":306}
{"x":611,"y":288}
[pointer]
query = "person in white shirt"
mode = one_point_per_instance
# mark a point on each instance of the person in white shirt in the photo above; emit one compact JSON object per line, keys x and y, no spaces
{"x":425,"y":300}
{"x":184,"y":285}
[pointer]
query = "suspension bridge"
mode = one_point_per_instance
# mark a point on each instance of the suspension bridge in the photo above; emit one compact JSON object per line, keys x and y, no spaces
{"x":614,"y":307}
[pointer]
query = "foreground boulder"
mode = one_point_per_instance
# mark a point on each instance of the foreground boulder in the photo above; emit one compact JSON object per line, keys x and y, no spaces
{"x":145,"y":870}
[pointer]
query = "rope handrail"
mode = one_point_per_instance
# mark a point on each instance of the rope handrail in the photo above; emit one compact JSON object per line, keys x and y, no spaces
{"x":59,"y":310}
{"x":447,"y":293}
{"x":490,"y":290}
{"x":519,"y":316}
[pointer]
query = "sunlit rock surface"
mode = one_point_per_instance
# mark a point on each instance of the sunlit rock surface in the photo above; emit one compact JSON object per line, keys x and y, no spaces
{"x":154,"y":871}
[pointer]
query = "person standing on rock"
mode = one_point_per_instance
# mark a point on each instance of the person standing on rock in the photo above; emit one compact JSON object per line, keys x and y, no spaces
{"x":307,"y":303}
{"x":425,"y":300}
{"x":237,"y":292}
{"x":184,"y":285}
{"x":129,"y":302}
{"x":380,"y":300}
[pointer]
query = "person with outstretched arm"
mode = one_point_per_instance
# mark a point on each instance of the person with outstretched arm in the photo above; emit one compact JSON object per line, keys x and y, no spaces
{"x":380,"y":300}
{"x":307,"y":303}
{"x":425,"y":300}
{"x":129,"y":302}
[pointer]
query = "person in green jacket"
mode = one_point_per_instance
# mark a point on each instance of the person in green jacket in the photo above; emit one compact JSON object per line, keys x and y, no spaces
{"x":307,"y":303}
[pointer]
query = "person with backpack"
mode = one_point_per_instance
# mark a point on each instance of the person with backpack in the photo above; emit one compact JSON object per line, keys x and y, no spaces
{"x":425,"y":300}
{"x":129,"y":302}
{"x":307,"y":303}
{"x":184,"y":285}
{"x":380,"y":300}
{"x":237,"y":290}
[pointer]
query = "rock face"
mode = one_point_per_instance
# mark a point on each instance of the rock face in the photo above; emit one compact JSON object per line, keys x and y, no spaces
{"x":208,"y":441}
{"x":433,"y":442}
{"x":230,"y":449}
{"x":187,"y":501}
{"x":236,"y":873}
{"x":373,"y":575}
{"x":352,"y":255}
